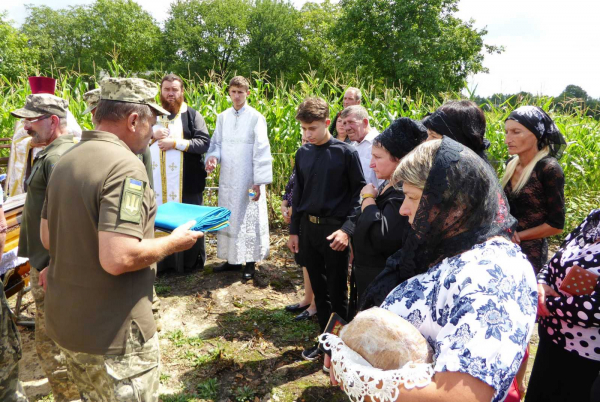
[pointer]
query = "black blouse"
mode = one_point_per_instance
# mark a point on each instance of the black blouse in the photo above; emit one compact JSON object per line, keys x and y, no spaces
{"x":379,"y":230}
{"x":542,"y":200}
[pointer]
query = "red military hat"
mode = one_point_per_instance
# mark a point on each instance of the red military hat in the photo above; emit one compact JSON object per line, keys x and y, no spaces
{"x":42,"y":85}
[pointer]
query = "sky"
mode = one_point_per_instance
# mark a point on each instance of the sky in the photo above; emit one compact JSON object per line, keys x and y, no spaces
{"x":549,"y":44}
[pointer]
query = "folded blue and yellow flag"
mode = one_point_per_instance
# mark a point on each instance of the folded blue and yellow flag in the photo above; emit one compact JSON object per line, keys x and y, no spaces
{"x":208,"y":219}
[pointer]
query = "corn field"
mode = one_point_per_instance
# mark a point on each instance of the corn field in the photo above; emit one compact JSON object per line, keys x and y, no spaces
{"x":278,"y":103}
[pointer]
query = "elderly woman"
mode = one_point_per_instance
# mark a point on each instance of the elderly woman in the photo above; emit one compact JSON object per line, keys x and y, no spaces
{"x":379,"y":227}
{"x":463,"y":121}
{"x":458,"y":279}
{"x":568,"y":356}
{"x":534,"y":181}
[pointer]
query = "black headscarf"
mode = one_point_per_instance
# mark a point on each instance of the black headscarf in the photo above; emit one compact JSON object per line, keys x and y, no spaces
{"x":462,"y":205}
{"x":402,"y":136}
{"x":536,"y":120}
{"x":460,"y":128}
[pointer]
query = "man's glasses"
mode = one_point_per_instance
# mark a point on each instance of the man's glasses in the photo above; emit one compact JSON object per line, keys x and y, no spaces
{"x":38,"y":119}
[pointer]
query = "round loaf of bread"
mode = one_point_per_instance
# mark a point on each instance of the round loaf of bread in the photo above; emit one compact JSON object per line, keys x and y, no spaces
{"x":386,"y":340}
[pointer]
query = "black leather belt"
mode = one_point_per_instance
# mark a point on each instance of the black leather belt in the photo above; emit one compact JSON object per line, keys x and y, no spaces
{"x":324,"y":221}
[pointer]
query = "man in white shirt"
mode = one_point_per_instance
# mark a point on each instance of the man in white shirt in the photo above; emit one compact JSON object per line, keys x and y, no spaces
{"x":358,"y":129}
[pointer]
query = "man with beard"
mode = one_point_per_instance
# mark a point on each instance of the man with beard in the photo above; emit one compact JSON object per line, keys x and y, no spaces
{"x":45,"y":120}
{"x":178,"y":167}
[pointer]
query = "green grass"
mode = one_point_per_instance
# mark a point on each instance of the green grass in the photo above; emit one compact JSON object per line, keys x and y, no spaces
{"x":208,"y":389}
{"x":162,"y":290}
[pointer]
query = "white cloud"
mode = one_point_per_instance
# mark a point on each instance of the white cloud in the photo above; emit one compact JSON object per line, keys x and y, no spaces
{"x":549,"y":45}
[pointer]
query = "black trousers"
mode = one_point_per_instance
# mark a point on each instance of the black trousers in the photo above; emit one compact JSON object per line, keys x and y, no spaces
{"x":198,"y":252}
{"x":327,"y":270}
{"x":560,"y":375}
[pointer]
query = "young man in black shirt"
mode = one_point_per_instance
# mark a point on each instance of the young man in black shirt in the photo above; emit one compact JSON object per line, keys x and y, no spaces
{"x":329,"y":178}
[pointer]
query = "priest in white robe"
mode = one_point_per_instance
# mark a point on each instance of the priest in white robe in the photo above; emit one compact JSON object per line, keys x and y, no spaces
{"x":241,"y":146}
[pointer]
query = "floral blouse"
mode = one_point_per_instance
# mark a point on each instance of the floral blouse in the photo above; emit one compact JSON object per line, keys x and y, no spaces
{"x":575,"y":320}
{"x":477,"y":311}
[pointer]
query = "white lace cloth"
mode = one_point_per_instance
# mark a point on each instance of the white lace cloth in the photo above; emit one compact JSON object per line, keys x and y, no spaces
{"x":359,"y":379}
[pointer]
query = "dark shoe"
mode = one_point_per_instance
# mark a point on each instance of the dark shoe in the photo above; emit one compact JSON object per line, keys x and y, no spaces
{"x":296,"y":308}
{"x":248,"y":271}
{"x":305,"y":315}
{"x":312,"y":354}
{"x":227,"y":267}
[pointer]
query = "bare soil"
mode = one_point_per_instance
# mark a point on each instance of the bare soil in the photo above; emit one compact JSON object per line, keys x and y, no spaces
{"x":223,"y":339}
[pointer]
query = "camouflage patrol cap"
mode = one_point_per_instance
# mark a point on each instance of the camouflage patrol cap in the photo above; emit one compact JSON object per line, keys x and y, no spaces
{"x":132,"y":90}
{"x":38,"y":105}
{"x":91,"y":98}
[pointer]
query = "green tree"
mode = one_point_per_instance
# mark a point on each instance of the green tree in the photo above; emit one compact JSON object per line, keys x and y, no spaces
{"x":82,"y":38}
{"x":574,"y":92}
{"x":320,"y":52}
{"x":418,"y":44}
{"x":200,"y":35}
{"x":274,"y":39}
{"x":15,"y":54}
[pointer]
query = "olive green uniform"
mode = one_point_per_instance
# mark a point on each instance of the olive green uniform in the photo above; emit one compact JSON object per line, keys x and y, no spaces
{"x":103,"y":323}
{"x":30,"y":246}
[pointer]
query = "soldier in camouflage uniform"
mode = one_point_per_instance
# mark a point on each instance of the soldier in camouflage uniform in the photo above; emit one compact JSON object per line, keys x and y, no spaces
{"x":11,"y":389}
{"x":92,"y":98}
{"x":45,"y":119}
{"x":98,"y":222}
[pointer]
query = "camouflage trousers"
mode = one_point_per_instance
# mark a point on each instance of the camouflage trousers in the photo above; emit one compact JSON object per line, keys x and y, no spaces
{"x":52,"y":361}
{"x":132,"y":377}
{"x":11,"y":389}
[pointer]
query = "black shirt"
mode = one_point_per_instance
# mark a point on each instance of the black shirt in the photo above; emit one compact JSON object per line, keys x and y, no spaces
{"x":329,"y":178}
{"x":380,"y":229}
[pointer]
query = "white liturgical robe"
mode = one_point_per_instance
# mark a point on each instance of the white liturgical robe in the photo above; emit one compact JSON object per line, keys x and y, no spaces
{"x":241,"y":145}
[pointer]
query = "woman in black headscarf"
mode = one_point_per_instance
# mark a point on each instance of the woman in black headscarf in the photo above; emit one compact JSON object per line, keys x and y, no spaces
{"x":534,"y":181}
{"x":463,"y":121}
{"x":379,"y":227}
{"x":458,"y":278}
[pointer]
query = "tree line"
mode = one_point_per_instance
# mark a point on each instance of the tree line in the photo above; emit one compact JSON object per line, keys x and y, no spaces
{"x":573,"y":99}
{"x":419,"y":45}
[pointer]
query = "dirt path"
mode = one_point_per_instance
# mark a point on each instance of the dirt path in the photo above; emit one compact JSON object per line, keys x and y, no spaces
{"x":224,"y":340}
